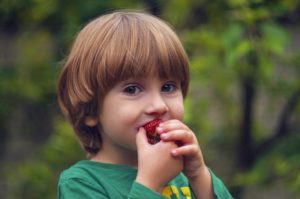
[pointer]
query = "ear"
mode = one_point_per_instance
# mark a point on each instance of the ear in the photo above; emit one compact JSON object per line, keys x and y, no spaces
{"x":91,"y":121}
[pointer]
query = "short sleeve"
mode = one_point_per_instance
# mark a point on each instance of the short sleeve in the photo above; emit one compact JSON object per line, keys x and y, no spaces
{"x":78,"y":189}
{"x":220,"y":191}
{"x":140,"y":191}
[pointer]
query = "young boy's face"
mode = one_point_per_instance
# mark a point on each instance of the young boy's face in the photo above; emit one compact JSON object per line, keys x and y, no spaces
{"x":134,"y":102}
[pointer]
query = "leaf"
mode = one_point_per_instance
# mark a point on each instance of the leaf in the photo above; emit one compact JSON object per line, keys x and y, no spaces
{"x":275,"y":38}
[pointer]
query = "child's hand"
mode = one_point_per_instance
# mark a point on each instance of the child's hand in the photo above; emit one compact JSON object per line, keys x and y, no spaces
{"x":188,"y":148}
{"x":156,"y":165}
{"x":175,"y":130}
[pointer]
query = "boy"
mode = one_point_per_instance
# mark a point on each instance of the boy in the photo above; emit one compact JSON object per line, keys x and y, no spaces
{"x":127,"y":72}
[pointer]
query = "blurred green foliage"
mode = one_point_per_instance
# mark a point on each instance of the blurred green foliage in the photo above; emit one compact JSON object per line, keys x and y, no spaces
{"x":243,"y":101}
{"x":37,"y":178}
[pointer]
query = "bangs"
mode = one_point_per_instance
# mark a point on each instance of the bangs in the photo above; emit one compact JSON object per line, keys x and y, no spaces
{"x":137,"y":49}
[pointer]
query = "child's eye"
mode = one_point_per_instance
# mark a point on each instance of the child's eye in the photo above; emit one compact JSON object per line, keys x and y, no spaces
{"x":132,"y":89}
{"x":169,"y":87}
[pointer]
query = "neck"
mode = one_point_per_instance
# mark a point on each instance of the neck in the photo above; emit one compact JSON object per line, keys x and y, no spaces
{"x":116,"y":156}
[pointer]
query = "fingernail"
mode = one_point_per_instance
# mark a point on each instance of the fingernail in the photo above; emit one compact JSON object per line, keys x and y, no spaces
{"x":174,"y":152}
{"x":159,"y":129}
{"x":163,"y":136}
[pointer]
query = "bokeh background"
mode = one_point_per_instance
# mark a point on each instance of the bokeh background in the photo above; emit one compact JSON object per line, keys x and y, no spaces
{"x":243,"y":101}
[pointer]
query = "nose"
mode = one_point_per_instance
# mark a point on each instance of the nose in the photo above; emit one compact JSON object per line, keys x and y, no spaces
{"x":156,"y":105}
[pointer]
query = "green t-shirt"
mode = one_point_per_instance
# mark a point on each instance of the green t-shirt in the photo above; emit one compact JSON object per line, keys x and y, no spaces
{"x":93,"y":180}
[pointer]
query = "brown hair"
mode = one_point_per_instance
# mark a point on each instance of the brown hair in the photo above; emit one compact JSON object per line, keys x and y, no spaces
{"x":109,"y":49}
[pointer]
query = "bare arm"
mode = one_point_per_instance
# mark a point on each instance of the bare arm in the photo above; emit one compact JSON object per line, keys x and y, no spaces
{"x":202,"y":185}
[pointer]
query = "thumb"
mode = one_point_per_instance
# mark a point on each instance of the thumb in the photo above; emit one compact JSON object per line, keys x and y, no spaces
{"x":141,"y":138}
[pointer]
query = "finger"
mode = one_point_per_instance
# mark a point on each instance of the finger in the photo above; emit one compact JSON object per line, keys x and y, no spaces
{"x":141,"y":138}
{"x":187,"y":150}
{"x":171,"y":125}
{"x":184,"y":136}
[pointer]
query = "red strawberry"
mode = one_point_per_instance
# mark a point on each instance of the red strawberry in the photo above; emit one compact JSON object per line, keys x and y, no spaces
{"x":150,"y":127}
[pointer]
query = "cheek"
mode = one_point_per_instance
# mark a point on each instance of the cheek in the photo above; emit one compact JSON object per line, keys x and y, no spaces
{"x":177,"y":110}
{"x":128,"y":113}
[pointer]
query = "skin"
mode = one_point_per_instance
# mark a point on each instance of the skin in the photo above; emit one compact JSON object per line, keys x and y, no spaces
{"x":131,"y":104}
{"x":194,"y":166}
